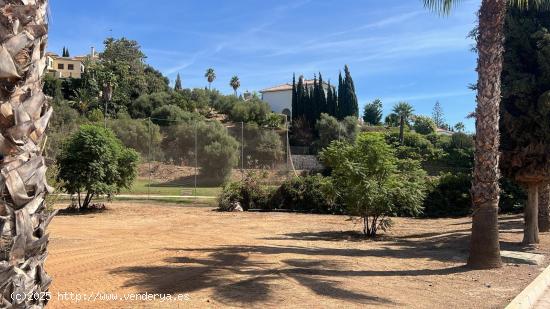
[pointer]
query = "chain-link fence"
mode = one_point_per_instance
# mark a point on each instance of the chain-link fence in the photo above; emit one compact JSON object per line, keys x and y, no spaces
{"x":194,"y":157}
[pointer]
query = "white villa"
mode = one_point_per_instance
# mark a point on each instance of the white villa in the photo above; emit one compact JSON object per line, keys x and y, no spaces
{"x":280,"y":97}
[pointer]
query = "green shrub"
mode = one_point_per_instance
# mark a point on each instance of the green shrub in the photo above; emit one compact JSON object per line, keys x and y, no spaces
{"x":330,"y":129}
{"x":372,"y":182}
{"x":172,"y":115}
{"x":217,"y":151}
{"x":415,"y":146}
{"x":512,"y":196}
{"x":448,"y":196}
{"x":310,"y":194}
{"x":93,"y":162}
{"x":141,"y":135}
{"x":424,"y":125}
{"x":253,"y":110}
{"x":249,"y":193}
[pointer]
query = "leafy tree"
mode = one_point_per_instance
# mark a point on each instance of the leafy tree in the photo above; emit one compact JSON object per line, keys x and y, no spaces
{"x":424,"y":125}
{"x":415,"y":146}
{"x":177,"y":85}
{"x":372,"y":113}
{"x":254,"y":110}
{"x":372,"y":183}
{"x":217,"y":151}
{"x":210,"y":76}
{"x":235,"y":83}
{"x":330,"y":129}
{"x":485,"y":247}
{"x":438,"y":116}
{"x":94,"y":162}
{"x":168,"y":115}
{"x":141,"y":135}
{"x":404,"y":111}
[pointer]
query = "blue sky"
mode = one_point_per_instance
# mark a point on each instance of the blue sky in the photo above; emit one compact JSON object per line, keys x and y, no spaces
{"x":396,"y":50}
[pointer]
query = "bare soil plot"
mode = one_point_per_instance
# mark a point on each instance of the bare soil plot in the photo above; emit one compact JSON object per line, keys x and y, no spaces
{"x":274,"y":260}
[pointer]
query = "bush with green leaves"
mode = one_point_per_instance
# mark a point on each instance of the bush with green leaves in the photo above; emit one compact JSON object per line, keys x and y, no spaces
{"x":263,"y":148}
{"x":250,"y":193}
{"x":168,"y":115}
{"x":308,"y":194}
{"x":330,"y":129}
{"x":448,"y":196}
{"x":372,"y":182}
{"x":217,"y":151}
{"x":140,"y":134}
{"x":253,"y":110}
{"x":415,"y":146}
{"x":424,"y":125}
{"x":94,"y":162}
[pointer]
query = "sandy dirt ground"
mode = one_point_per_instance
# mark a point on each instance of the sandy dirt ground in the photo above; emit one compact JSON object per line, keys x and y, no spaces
{"x":271,"y":260}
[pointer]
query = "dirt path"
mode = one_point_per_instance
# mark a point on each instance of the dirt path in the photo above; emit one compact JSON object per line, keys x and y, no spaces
{"x":271,"y":260}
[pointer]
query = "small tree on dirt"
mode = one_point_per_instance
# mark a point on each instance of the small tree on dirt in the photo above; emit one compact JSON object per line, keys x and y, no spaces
{"x":372,"y":182}
{"x":93,"y":162}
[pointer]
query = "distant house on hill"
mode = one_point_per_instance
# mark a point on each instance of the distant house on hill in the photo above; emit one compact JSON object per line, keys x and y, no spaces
{"x":279,"y":97}
{"x":66,"y":67}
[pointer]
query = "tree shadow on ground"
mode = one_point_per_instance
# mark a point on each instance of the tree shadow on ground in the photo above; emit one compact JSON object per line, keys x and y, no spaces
{"x":238,"y":280}
{"x":250,"y":275}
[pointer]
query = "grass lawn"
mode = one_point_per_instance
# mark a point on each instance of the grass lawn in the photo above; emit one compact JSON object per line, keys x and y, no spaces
{"x":141,"y":186}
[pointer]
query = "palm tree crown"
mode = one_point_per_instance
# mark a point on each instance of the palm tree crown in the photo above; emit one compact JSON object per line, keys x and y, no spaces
{"x":210,"y":76}
{"x":235,"y":83}
{"x":403,"y":109}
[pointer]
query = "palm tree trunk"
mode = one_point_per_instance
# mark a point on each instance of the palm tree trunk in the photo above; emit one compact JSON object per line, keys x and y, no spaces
{"x":484,"y":242}
{"x":24,"y":116}
{"x":402,"y":130}
{"x":544,"y":215}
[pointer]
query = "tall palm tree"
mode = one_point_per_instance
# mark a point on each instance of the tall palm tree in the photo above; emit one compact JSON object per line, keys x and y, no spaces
{"x":404,"y":111}
{"x":484,"y":242}
{"x":210,"y":76}
{"x":24,"y":116}
{"x":235,"y":83}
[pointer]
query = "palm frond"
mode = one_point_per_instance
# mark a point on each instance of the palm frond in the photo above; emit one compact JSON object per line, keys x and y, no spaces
{"x":540,"y":5}
{"x":442,"y":7}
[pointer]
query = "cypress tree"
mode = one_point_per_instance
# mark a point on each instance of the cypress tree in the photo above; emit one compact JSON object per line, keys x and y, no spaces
{"x":331,"y":104}
{"x":294,"y":99}
{"x":67,"y":53}
{"x":315,"y":106}
{"x":300,"y":98}
{"x":352,"y":106}
{"x":322,"y":98}
{"x":341,"y":99}
{"x":177,"y":85}
{"x":63,"y":52}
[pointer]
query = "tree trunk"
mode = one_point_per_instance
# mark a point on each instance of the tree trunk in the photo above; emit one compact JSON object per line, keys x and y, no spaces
{"x":24,"y":116}
{"x":402,"y":130}
{"x":544,"y":215}
{"x":484,"y":243}
{"x":531,"y":229}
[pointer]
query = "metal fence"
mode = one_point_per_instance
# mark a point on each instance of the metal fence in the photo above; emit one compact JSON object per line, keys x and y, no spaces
{"x":193,"y":157}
